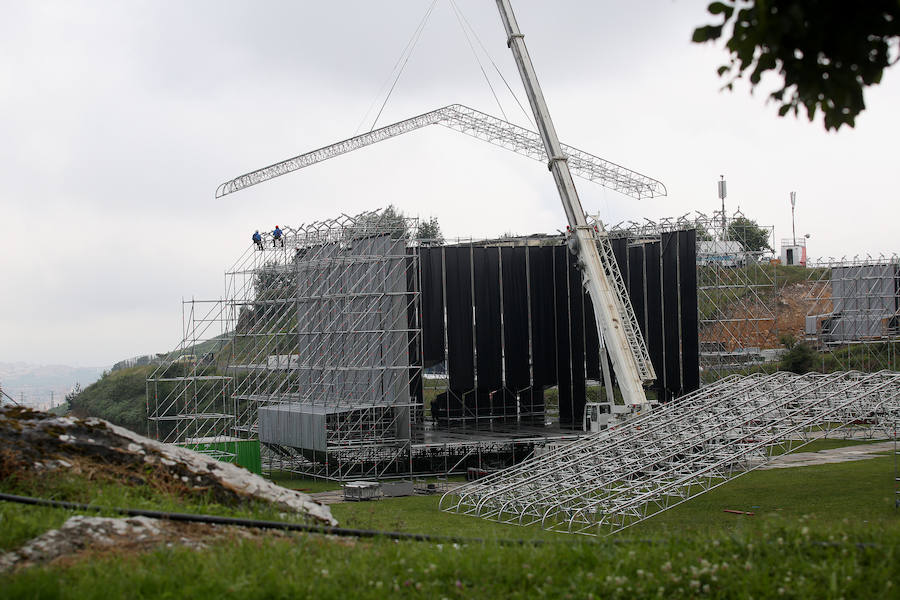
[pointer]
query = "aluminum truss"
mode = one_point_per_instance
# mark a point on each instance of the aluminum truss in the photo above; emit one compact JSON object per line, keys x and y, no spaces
{"x":476,"y":124}
{"x":736,"y":288}
{"x":315,"y":329}
{"x":616,"y":478}
{"x":854,"y":312}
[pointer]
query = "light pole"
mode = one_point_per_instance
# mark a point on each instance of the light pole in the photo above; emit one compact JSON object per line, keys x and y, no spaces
{"x":793,"y":225}
{"x":722,"y":193}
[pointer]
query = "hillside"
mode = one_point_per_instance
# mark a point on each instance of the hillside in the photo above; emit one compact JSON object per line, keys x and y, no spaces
{"x":119,"y":397}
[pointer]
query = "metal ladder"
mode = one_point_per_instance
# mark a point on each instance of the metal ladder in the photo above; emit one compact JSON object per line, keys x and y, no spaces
{"x":625,"y":311}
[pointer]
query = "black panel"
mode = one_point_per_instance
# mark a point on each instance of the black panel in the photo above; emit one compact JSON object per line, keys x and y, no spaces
{"x":576,"y":337}
{"x":636,"y":286}
{"x":620,"y":251}
{"x":591,"y":340}
{"x":563,"y":346}
{"x":415,"y":341}
{"x":543,"y":324}
{"x":515,"y":318}
{"x":432,"y":303}
{"x":671,"y":314}
{"x":690,"y":342}
{"x":488,"y":340}
{"x":460,"y":345}
{"x":654,"y":333}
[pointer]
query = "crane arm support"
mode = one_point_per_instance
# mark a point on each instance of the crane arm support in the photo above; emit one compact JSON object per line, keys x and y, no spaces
{"x":476,"y":124}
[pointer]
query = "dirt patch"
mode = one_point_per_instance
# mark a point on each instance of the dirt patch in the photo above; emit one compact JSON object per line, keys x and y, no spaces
{"x":761,"y":322}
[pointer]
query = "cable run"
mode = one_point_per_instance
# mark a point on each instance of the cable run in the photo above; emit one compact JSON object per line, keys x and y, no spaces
{"x":286,"y":526}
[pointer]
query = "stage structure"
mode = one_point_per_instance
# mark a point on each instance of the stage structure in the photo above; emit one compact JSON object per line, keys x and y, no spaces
{"x":616,"y":478}
{"x":736,"y":287}
{"x":854,"y":314}
{"x":317,"y":348}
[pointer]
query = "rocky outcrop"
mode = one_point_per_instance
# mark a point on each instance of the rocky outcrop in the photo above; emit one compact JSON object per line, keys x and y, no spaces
{"x":33,"y":442}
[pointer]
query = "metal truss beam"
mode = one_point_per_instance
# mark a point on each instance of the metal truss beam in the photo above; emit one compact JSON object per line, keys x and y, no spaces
{"x":617,"y":478}
{"x":478,"y":125}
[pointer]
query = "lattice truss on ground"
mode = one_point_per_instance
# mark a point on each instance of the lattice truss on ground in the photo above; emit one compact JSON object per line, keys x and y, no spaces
{"x":616,"y":478}
{"x":854,"y":312}
{"x":314,"y":335}
{"x":736,"y":287}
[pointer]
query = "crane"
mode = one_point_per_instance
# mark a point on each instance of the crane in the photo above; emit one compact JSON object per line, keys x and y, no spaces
{"x":614,"y":315}
{"x":612,"y":307}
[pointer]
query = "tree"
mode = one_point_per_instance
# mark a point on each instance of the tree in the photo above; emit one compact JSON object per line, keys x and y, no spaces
{"x":753,"y":237}
{"x":430,"y":232}
{"x":826,"y":51}
{"x":799,"y":359}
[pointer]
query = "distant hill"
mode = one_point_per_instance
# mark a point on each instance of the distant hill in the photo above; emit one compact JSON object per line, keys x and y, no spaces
{"x":36,"y":382}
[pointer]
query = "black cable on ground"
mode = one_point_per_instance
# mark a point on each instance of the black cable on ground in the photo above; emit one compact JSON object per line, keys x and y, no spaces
{"x":343,"y":531}
{"x":283,"y":526}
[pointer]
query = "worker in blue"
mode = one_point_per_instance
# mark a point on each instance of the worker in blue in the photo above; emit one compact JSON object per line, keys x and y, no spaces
{"x":257,"y":239}
{"x":276,"y":237}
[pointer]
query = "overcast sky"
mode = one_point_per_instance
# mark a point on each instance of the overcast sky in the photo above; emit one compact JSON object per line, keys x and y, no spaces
{"x":119,"y":119}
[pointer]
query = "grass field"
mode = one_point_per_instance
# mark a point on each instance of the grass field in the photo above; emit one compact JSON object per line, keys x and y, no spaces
{"x":825,"y":531}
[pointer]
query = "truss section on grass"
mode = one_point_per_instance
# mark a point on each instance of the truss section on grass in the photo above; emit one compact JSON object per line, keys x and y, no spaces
{"x":854,"y":312}
{"x":619,"y":477}
{"x":736,"y":286}
{"x":314,"y":351}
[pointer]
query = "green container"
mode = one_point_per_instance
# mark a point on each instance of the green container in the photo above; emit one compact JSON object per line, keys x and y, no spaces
{"x":243,"y":453}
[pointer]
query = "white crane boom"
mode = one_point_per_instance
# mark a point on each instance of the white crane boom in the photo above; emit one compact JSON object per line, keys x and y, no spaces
{"x":476,"y":124}
{"x":612,"y":308}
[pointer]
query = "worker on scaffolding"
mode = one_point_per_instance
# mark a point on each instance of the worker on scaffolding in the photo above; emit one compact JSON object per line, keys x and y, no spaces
{"x":257,"y":239}
{"x":276,"y":237}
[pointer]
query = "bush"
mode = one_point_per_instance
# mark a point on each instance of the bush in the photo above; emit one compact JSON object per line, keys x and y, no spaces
{"x":800,"y":358}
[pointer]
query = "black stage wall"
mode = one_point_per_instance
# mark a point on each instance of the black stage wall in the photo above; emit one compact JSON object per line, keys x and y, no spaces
{"x":518,"y":321}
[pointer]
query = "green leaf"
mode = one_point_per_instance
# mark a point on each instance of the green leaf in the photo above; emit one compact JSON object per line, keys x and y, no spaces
{"x":716,"y":8}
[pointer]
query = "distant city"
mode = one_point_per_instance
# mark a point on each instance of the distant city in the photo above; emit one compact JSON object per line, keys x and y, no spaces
{"x":44,"y":386}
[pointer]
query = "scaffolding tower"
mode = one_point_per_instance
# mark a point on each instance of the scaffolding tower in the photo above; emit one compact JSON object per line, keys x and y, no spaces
{"x":854,"y":312}
{"x":315,"y":351}
{"x":736,"y":286}
{"x":619,"y":477}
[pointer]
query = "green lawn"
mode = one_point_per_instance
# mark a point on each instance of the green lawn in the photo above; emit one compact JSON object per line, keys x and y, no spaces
{"x":827,"y":531}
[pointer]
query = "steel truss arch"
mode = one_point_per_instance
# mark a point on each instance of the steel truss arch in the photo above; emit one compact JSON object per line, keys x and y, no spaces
{"x":476,"y":124}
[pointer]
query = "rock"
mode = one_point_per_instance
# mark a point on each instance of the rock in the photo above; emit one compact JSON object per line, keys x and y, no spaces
{"x":34,"y":440}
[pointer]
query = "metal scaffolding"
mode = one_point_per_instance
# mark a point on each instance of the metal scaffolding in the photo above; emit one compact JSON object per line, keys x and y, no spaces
{"x":619,"y":477}
{"x":736,"y":287}
{"x":854,"y":312}
{"x":312,"y":351}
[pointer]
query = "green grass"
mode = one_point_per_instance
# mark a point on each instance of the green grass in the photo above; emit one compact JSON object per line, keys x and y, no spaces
{"x":781,"y":562}
{"x":804,"y":541}
{"x":301,"y":484}
{"x":20,"y":522}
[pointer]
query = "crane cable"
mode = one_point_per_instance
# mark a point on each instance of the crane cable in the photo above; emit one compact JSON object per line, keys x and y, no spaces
{"x":527,"y":114}
{"x":411,"y":46}
{"x":406,"y":49}
{"x":456,"y":11}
